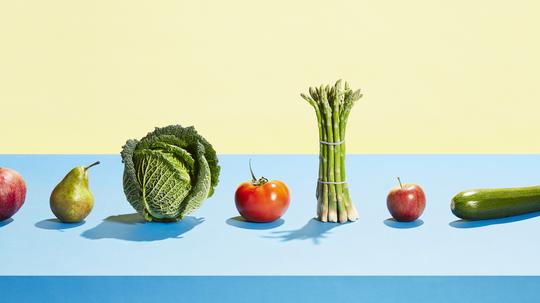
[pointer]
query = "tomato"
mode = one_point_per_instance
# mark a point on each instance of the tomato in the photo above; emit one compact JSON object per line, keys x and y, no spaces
{"x":262,"y":200}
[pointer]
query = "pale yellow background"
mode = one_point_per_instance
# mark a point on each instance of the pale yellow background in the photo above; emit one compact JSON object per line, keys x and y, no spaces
{"x":438,"y":76}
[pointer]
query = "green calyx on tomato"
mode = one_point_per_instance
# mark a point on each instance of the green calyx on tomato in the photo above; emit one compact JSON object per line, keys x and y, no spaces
{"x":254,"y":180}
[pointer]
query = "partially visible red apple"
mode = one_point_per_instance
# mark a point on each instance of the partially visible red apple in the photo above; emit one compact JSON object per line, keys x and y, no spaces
{"x":406,"y":202}
{"x":12,"y":192}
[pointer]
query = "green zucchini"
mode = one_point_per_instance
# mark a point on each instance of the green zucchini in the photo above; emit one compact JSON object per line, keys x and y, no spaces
{"x":492,"y":203}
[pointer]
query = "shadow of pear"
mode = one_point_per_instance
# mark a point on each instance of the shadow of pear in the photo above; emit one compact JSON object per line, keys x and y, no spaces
{"x":314,"y":230}
{"x":481,"y":223}
{"x":55,"y":224}
{"x":132,"y":227}
{"x":240,"y":222}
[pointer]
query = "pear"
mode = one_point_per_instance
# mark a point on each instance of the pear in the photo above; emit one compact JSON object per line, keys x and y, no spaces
{"x":71,"y":200}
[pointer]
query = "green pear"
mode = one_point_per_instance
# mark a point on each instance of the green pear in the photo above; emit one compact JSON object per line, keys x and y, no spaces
{"x":71,"y":200}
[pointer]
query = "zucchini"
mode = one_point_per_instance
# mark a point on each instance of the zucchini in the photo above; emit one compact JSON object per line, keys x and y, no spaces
{"x":492,"y":203}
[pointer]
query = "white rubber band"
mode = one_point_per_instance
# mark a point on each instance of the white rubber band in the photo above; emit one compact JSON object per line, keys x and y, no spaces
{"x":332,"y":143}
{"x":328,"y":182}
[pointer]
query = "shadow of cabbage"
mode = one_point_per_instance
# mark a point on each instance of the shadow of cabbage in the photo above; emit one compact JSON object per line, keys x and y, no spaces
{"x":132,"y":227}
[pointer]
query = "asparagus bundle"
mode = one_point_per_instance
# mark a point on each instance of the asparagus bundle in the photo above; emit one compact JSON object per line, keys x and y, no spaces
{"x":332,"y":106}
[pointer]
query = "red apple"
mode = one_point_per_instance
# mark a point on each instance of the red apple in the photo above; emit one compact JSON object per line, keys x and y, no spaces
{"x":12,"y":192}
{"x":406,"y":202}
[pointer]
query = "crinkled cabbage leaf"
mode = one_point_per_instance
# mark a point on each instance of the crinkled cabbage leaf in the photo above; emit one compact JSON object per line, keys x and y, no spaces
{"x":169,"y":173}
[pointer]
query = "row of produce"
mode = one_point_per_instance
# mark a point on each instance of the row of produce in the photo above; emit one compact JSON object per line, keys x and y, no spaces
{"x":261,"y":200}
{"x":172,"y":170}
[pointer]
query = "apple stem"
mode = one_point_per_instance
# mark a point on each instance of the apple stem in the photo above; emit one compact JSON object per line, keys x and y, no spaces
{"x":400,"y":185}
{"x":93,"y":164}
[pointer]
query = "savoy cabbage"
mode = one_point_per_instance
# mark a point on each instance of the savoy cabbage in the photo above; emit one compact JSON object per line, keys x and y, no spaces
{"x":169,"y":172}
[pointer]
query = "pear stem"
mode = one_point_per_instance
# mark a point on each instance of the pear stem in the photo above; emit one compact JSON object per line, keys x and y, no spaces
{"x":93,"y":164}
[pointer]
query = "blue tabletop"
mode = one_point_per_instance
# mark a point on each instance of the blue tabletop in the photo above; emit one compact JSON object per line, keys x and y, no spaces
{"x":213,"y":241}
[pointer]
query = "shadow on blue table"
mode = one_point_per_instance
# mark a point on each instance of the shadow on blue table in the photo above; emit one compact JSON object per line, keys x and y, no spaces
{"x":55,"y":224}
{"x":314,"y":230}
{"x":391,"y":222}
{"x":481,"y":223}
{"x":6,"y":222}
{"x":240,"y":222}
{"x":132,"y":227}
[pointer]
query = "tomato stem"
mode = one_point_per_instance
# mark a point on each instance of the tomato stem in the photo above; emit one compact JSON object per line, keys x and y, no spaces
{"x":254,"y":180}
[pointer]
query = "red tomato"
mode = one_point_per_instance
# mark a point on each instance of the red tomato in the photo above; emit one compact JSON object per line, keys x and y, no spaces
{"x":262,"y":200}
{"x":262,"y":203}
